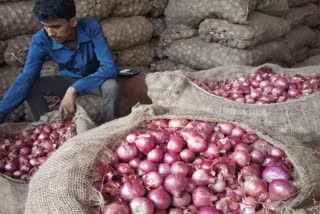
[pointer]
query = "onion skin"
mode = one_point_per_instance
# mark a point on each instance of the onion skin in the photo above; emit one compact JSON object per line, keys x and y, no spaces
{"x":160,"y":198}
{"x":280,"y":190}
{"x":272,"y":172}
{"x":141,"y":205}
{"x":116,"y":208}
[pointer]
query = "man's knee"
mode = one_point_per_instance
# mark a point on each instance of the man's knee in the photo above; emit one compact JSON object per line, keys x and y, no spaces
{"x":110,"y":88}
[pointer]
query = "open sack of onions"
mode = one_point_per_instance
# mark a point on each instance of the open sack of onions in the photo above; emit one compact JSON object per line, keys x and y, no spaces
{"x":277,"y":100}
{"x":166,"y":160}
{"x":24,"y":147}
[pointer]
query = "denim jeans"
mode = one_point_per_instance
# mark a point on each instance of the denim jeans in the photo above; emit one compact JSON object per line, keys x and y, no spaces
{"x":57,"y":85}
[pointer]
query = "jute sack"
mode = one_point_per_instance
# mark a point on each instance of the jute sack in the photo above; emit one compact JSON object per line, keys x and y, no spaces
{"x":273,"y":7}
{"x":16,"y":18}
{"x":198,"y":54}
{"x":8,"y":75}
{"x":123,"y":33}
{"x":296,"y":3}
{"x":157,"y":8}
{"x":159,"y":52}
{"x":168,"y":65}
{"x":260,"y":28}
{"x":192,"y":12}
{"x":131,"y":7}
{"x":14,"y":192}
{"x":140,"y":55}
{"x":97,"y":9}
{"x":64,"y":183}
{"x":177,"y":32}
{"x":298,"y":118}
{"x":17,"y":50}
{"x":159,"y":25}
{"x":311,"y":61}
{"x":3,"y":46}
{"x":305,"y":15}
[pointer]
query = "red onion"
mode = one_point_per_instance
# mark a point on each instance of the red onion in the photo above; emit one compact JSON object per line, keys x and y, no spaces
{"x":155,"y":155}
{"x":11,"y":166}
{"x":196,"y":142}
{"x":251,"y":170}
{"x":175,"y":211}
{"x":202,"y":196}
{"x":176,"y":184}
{"x":145,"y":143}
{"x":238,"y":132}
{"x":159,"y":136}
{"x":116,"y":208}
{"x":241,"y":158}
{"x":187,"y":155}
{"x":257,"y":156}
{"x":256,"y":188}
{"x":141,"y":205}
{"x":147,"y":166}
{"x":180,"y":167}
{"x":226,"y":128}
{"x":272,"y":172}
{"x":182,"y":201}
{"x":160,"y":122}
{"x":176,"y":143}
{"x":171,"y":157}
{"x":276,"y":152}
{"x":153,"y":180}
{"x":280,"y":190}
{"x":201,"y":177}
{"x":135,"y":162}
{"x":164,"y":169}
{"x":124,"y":169}
{"x":178,"y":123}
{"x":219,"y":186}
{"x":242,"y":147}
{"x":131,"y":189}
{"x":131,"y":137}
{"x":160,"y":198}
{"x":208,"y":210}
{"x":127,"y":151}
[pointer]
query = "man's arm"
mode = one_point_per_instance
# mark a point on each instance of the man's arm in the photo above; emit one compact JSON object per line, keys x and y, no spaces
{"x":23,"y":84}
{"x":107,"y":69}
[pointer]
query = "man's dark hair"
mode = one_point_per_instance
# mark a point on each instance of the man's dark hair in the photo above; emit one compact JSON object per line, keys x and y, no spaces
{"x":46,"y":10}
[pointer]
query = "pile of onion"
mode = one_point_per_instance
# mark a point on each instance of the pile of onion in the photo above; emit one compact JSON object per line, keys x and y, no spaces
{"x":182,"y":166}
{"x":22,"y":153}
{"x":264,"y":86}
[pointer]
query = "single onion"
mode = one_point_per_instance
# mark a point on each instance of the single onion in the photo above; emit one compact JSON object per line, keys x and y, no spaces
{"x":153,"y":180}
{"x":127,"y":151}
{"x":241,"y":158}
{"x":280,"y":190}
{"x":256,"y":188}
{"x":155,"y":155}
{"x":202,"y":196}
{"x":176,"y":184}
{"x":180,"y":167}
{"x":178,"y":123}
{"x":145,"y":143}
{"x":131,"y":189}
{"x":176,"y":143}
{"x":160,"y":198}
{"x":201,"y":177}
{"x":164,"y":169}
{"x":226,"y":128}
{"x":141,"y":205}
{"x":116,"y":208}
{"x":182,"y":201}
{"x":195,"y":141}
{"x":272,"y":172}
{"x":187,"y":155}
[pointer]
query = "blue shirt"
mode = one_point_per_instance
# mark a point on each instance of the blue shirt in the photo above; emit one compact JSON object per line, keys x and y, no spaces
{"x":91,"y":61}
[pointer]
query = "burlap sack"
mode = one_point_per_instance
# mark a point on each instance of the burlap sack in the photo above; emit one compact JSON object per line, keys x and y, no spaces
{"x":317,"y":42}
{"x":273,"y":7}
{"x":123,"y":33}
{"x":97,"y":9}
{"x":159,"y":52}
{"x":140,"y":55}
{"x":17,"y":50}
{"x":192,"y":12}
{"x":16,"y":18}
{"x":49,"y":67}
{"x":198,"y":54}
{"x":131,"y":7}
{"x":8,"y":75}
{"x":177,"y":32}
{"x":295,"y":3}
{"x":261,"y":28}
{"x":157,"y":8}
{"x":14,"y":192}
{"x":307,"y":15}
{"x":168,"y":65}
{"x":159,"y":25}
{"x":63,"y":184}
{"x":3,"y":46}
{"x":298,"y":118}
{"x":311,"y":61}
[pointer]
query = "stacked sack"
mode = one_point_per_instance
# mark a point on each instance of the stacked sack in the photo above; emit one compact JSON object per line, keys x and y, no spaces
{"x":205,"y":34}
{"x":16,"y":26}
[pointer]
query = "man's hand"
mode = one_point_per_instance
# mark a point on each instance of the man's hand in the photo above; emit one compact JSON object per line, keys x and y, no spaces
{"x":68,"y":105}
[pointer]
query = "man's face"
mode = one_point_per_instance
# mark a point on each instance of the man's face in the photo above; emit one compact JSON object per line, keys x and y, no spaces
{"x":60,"y":30}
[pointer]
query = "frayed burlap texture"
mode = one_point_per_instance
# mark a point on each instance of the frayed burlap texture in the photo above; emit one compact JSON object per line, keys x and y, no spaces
{"x":16,"y":18}
{"x":306,"y":15}
{"x":125,"y":8}
{"x":296,"y":3}
{"x":16,"y":52}
{"x":140,"y":55}
{"x":64,"y":183}
{"x":299,"y":118}
{"x":311,"y":61}
{"x":97,"y":9}
{"x":261,"y":28}
{"x":177,"y":32}
{"x":3,"y":46}
{"x":157,"y":8}
{"x":192,"y":12}
{"x":14,"y":192}
{"x":273,"y":7}
{"x":123,"y":33}
{"x":168,"y":65}
{"x":198,"y":54}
